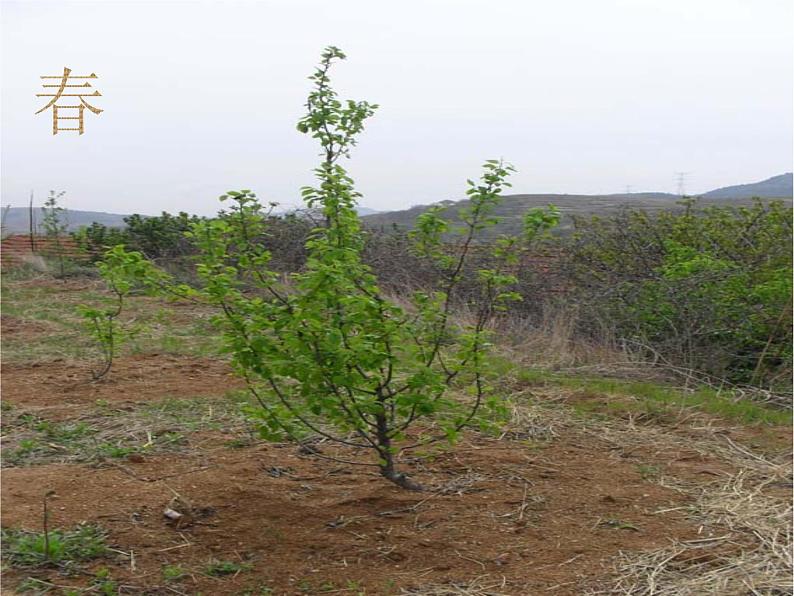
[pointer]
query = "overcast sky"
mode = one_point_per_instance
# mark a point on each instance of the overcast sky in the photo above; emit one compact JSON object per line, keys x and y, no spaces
{"x":581,"y":96}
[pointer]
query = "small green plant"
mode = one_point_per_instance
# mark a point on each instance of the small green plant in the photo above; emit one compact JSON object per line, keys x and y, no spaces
{"x":173,"y":573}
{"x":62,"y":432}
{"x":221,"y":568}
{"x":116,"y":451}
{"x":26,"y":448}
{"x":334,"y":356}
{"x":104,"y":583}
{"x":63,"y":548}
{"x":239,"y":443}
{"x":648,"y":471}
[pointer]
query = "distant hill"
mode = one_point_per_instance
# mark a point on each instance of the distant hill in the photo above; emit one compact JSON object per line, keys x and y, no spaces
{"x":512,"y":206}
{"x":775,"y":187}
{"x":16,"y":220}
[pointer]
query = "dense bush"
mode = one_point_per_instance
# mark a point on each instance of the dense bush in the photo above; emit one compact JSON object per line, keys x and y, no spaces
{"x":159,"y":237}
{"x":97,"y":238}
{"x":703,"y":288}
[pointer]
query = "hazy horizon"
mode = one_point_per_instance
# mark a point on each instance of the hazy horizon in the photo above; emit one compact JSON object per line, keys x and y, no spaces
{"x":582,"y":97}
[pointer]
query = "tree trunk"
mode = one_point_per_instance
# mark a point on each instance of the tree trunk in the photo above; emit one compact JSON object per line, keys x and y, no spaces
{"x":387,"y":471}
{"x":384,"y":450}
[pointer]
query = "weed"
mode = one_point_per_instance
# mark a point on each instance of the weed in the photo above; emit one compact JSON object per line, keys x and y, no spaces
{"x":116,"y":451}
{"x":173,"y":573}
{"x":24,"y":549}
{"x":63,"y":433}
{"x":221,"y":568}
{"x":39,"y":586}
{"x":26,"y":448}
{"x":239,"y":443}
{"x":66,"y":337}
{"x":648,"y":471}
{"x":103,"y":583}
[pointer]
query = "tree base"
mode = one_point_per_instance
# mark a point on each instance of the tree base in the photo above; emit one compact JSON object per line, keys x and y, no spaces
{"x":401,"y":480}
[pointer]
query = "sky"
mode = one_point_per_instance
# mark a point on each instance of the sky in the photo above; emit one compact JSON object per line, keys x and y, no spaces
{"x":580,"y":96}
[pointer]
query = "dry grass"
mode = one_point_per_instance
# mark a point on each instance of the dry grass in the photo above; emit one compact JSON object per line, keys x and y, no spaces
{"x":745,"y":517}
{"x":751,"y":555}
{"x":554,"y":345}
{"x":481,"y":586}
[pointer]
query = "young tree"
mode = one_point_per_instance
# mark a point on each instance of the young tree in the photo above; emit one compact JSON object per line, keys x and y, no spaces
{"x":55,"y":226}
{"x":331,"y":355}
{"x":119,"y":269}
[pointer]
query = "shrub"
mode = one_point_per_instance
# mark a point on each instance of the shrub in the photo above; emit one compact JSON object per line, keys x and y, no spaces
{"x":160,"y":238}
{"x":707,"y":289}
{"x":98,"y":238}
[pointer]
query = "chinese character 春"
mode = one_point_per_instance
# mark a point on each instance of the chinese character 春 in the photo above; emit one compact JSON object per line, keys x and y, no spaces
{"x":63,"y":86}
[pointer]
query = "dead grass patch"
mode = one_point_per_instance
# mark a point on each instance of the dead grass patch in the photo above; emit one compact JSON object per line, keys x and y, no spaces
{"x":740,"y":499}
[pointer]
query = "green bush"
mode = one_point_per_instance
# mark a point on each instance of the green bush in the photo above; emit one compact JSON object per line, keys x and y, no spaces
{"x":158,"y":237}
{"x":708,"y":289}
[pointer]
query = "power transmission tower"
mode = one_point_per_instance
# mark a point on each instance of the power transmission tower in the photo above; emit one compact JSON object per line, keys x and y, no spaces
{"x":629,"y":188}
{"x":680,"y":178}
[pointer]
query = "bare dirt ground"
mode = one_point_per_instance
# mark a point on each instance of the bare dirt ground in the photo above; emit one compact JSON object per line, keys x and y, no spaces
{"x":539,"y":524}
{"x":59,"y":388}
{"x":557,"y":504}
